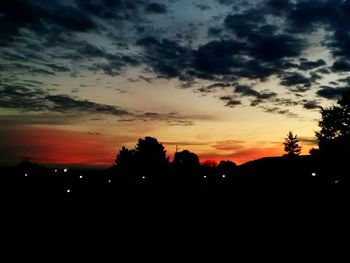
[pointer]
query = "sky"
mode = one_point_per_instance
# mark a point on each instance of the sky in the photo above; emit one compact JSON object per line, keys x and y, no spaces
{"x":226,"y":79}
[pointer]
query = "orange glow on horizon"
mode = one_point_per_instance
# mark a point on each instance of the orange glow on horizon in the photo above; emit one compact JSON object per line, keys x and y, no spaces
{"x":61,"y":147}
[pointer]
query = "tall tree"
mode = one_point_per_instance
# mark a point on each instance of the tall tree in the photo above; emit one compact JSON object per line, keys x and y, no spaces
{"x":334,"y":135}
{"x":334,"y":138}
{"x":125,"y":161}
{"x":151,"y":157}
{"x":291,"y":146}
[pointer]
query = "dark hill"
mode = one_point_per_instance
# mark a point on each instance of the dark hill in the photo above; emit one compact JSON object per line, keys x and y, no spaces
{"x":284,"y":169}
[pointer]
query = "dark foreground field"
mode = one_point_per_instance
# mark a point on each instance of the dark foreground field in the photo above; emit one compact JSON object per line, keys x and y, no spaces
{"x":252,"y":183}
{"x":73,"y":206}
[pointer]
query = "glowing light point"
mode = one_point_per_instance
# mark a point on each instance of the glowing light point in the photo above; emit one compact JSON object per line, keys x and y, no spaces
{"x":81,"y":177}
{"x":336,"y":181}
{"x":205,"y":177}
{"x":55,"y":170}
{"x":25,"y":175}
{"x":143,"y":177}
{"x":109,"y":181}
{"x":65,"y":170}
{"x":223,"y":176}
{"x":313,"y":174}
{"x":68,"y":190}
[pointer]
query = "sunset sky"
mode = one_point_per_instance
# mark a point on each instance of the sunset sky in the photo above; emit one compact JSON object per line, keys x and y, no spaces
{"x":226,"y":79}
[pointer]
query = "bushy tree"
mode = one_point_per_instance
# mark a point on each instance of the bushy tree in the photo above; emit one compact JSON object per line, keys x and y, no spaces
{"x":291,"y":146}
{"x":151,"y":157}
{"x":148,"y":159}
{"x":125,"y":161}
{"x":334,"y":138}
{"x":226,"y":167}
{"x":334,"y":135}
{"x":186,"y":164}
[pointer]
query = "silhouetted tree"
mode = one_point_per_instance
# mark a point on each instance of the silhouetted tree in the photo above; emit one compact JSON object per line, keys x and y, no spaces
{"x":334,"y":137}
{"x":148,"y":159}
{"x":226,"y":167}
{"x":186,"y":164}
{"x":291,"y":146}
{"x":125,"y":162}
{"x":335,"y":126}
{"x":314,"y":152}
{"x":151,"y":157}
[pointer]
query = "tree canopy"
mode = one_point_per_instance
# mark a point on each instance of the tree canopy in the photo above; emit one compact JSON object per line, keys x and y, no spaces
{"x":334,"y":135}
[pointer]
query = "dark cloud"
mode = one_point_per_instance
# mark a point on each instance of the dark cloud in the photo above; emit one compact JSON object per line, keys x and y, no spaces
{"x":308,"y":65}
{"x":295,"y":78}
{"x":279,"y":110}
{"x":341,"y":66}
{"x":64,"y":103}
{"x":89,"y":50}
{"x":110,"y":9}
{"x":218,"y":57}
{"x":37,"y":15}
{"x":307,"y":15}
{"x":330,"y":92}
{"x":270,"y":48}
{"x":230,"y":101}
{"x":156,"y":8}
{"x":214,"y":86}
{"x":203,"y":7}
{"x":57,"y":68}
{"x":311,"y":105}
{"x":167,"y":58}
{"x":214,"y":31}
{"x":19,"y":97}
{"x":345,"y":80}
{"x":44,"y":17}
{"x":323,"y":71}
{"x":245,"y":24}
{"x":279,"y":6}
{"x":25,"y":99}
{"x":255,"y":41}
{"x":284,"y":102}
{"x":250,"y":92}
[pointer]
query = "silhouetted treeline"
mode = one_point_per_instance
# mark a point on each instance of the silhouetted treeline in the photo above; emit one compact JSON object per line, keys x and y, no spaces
{"x":147,"y":168}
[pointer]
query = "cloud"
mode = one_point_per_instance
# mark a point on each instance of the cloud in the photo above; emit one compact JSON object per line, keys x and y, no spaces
{"x":214,"y":31}
{"x":276,"y":47}
{"x":311,"y":105}
{"x":214,"y":86}
{"x":295,"y":78}
{"x":253,"y":40}
{"x":228,"y":145}
{"x":279,"y":110}
{"x":23,"y":98}
{"x":181,"y":143}
{"x":156,"y":8}
{"x":307,"y":15}
{"x":341,"y":66}
{"x":64,"y":103}
{"x":166,"y":57}
{"x":330,"y":92}
{"x":218,"y":57}
{"x":246,"y":23}
{"x":308,"y":140}
{"x":57,"y":68}
{"x":248,"y":91}
{"x":230,"y":101}
{"x":308,"y":65}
